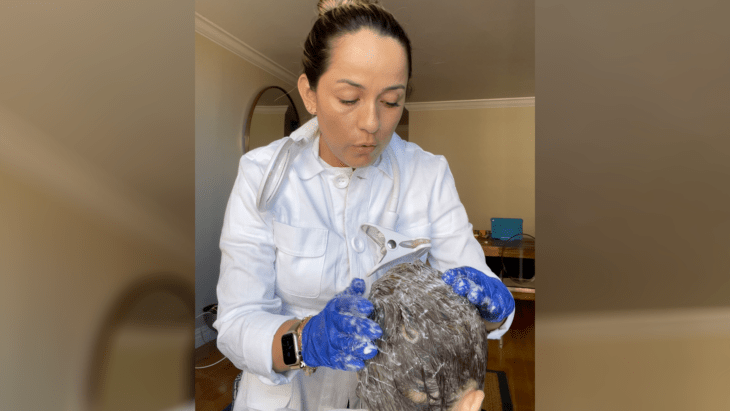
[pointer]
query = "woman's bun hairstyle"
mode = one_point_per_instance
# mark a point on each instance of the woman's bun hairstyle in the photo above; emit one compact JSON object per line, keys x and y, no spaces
{"x":326,"y":5}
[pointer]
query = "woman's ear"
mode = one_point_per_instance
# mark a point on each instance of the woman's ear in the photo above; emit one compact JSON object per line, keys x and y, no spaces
{"x":471,"y":401}
{"x":308,"y":95}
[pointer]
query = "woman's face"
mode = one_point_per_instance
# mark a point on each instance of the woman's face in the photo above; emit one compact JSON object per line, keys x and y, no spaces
{"x":359,"y":99}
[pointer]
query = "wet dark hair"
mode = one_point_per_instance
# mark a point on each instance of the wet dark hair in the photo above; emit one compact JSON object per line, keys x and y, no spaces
{"x":340,"y":17}
{"x":434,"y":343}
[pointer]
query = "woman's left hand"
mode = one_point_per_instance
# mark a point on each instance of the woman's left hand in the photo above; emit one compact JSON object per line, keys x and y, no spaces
{"x":488,"y":294}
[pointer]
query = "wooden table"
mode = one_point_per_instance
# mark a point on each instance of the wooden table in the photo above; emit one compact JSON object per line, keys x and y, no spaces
{"x":511,"y":249}
{"x":493,"y":248}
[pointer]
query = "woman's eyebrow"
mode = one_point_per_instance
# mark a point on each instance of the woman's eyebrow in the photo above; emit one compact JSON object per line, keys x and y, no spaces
{"x":352,"y":83}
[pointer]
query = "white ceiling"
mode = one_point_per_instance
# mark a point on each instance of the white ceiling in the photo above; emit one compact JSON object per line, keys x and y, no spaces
{"x":462,"y":49}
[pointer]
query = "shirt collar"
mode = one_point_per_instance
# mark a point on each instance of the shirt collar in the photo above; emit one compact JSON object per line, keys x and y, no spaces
{"x":306,"y":164}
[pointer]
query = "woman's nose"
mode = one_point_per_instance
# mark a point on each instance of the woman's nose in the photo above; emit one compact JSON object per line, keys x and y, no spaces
{"x":370,"y":118}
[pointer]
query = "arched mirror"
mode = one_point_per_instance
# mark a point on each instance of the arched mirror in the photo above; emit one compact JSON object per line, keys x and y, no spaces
{"x":271,"y":117}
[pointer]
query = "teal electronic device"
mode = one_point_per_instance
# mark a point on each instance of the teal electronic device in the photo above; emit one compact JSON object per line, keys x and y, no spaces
{"x":507,"y":228}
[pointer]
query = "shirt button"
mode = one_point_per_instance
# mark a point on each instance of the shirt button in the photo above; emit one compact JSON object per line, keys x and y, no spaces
{"x":358,"y":245}
{"x":341,"y":181}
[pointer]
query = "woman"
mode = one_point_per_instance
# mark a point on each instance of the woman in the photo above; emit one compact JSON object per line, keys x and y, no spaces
{"x":298,"y":269}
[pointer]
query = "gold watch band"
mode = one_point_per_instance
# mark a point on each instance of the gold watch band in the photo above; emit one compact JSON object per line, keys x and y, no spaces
{"x":299,"y":331}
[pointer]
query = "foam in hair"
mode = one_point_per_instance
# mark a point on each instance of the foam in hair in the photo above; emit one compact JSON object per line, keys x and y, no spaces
{"x":434,"y":343}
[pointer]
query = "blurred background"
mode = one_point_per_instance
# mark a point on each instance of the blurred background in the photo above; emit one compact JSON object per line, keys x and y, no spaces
{"x":97,"y":205}
{"x":632,"y":205}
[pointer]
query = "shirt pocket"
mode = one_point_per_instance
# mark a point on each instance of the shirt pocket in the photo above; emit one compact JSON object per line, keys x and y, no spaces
{"x":300,"y":258}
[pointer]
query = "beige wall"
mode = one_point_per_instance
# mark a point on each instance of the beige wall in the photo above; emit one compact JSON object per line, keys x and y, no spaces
{"x":266,"y":128}
{"x":225,"y":86}
{"x":634,"y":360}
{"x":491,"y":152}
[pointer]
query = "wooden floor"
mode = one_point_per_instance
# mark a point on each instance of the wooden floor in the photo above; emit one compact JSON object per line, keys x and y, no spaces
{"x":213,"y":385}
{"x":516,"y":358}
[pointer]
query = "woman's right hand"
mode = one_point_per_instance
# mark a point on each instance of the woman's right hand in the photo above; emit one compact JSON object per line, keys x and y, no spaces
{"x":341,"y":335}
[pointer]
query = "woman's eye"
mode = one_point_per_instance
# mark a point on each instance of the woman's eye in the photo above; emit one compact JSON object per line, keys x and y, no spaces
{"x":348,"y":102}
{"x":389,"y":104}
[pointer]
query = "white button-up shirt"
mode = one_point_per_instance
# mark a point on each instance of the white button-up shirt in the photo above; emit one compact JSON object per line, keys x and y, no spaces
{"x":290,"y":261}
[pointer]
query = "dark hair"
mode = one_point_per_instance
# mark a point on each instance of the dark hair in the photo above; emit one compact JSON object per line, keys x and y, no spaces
{"x":340,"y":17}
{"x":434,"y":343}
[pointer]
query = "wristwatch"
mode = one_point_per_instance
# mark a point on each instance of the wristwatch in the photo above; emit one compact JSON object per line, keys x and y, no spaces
{"x":291,"y":348}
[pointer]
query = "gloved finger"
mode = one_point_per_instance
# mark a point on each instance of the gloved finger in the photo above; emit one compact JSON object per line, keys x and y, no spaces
{"x":502,"y":303}
{"x":343,"y":344}
{"x":369,"y":329}
{"x":476,"y":275}
{"x":449,"y":276}
{"x":477,"y":294}
{"x":361,"y":348}
{"x":353,"y":305}
{"x":357,"y":287}
{"x":365,"y":350}
{"x":346,"y":324}
{"x":357,"y":345}
{"x":461,"y":286}
{"x":348,"y":362}
{"x":360,"y":326}
{"x":340,"y":341}
{"x":491,"y":314}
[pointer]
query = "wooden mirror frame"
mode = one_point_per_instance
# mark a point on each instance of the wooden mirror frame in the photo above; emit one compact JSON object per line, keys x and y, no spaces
{"x":247,"y":126}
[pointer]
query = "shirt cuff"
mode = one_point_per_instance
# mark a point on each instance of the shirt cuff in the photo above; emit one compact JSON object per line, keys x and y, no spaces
{"x":262,"y":328}
{"x":499,"y":332}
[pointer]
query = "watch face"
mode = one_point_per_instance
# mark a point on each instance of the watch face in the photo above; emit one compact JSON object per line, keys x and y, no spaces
{"x":289,"y":349}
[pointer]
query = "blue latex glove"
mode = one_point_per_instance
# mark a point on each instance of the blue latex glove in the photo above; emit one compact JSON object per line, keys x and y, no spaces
{"x":488,"y":294}
{"x":341,"y":335}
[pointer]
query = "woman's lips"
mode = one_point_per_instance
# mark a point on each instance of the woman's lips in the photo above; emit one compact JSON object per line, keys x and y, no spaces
{"x":364,"y":150}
